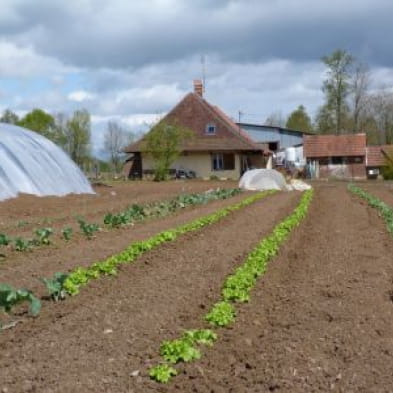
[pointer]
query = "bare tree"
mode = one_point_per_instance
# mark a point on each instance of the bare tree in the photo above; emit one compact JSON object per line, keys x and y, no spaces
{"x":380,"y":115}
{"x":359,"y":88}
{"x":116,"y":139}
{"x":276,"y":119}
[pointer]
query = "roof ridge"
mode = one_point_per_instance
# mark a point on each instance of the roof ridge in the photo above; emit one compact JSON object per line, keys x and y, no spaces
{"x":235,"y":130}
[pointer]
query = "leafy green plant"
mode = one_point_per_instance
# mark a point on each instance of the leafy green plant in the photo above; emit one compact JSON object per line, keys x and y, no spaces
{"x":80,"y":277}
{"x":162,"y":373}
{"x":21,"y":244}
{"x":43,"y":236}
{"x":67,"y":233}
{"x":180,"y":350}
{"x":222,"y":314}
{"x":55,"y":286}
{"x":4,"y":240}
{"x":88,"y":229}
{"x":202,"y":336}
{"x":9,"y":297}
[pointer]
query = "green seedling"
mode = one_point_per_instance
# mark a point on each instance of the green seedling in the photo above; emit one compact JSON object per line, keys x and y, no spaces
{"x":88,"y":229}
{"x":4,"y":240}
{"x":67,"y":233}
{"x":21,"y":244}
{"x":43,"y":236}
{"x":162,"y":373}
{"x":9,"y":297}
{"x":180,"y":350}
{"x":222,"y":314}
{"x":55,"y":286}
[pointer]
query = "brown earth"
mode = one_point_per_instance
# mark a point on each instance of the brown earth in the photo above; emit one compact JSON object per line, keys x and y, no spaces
{"x":94,"y":341}
{"x":319,"y":320}
{"x":23,"y":269}
{"x":23,"y":214}
{"x":383,"y":191}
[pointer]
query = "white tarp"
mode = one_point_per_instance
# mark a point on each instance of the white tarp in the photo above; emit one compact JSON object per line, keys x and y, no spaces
{"x":269,"y":179}
{"x":32,"y":164}
{"x":262,"y":179}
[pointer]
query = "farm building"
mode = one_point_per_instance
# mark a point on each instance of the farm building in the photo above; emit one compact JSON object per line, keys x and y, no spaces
{"x":339,"y":156}
{"x":277,"y":138}
{"x":219,"y":146}
{"x":344,"y":156}
{"x":376,"y":158}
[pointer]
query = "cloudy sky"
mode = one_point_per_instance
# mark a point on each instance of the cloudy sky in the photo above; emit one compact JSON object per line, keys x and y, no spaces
{"x":131,"y":60}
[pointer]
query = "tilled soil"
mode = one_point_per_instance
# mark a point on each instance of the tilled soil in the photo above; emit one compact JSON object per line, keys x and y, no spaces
{"x":23,"y":214}
{"x":23,"y":269}
{"x":104,"y":339}
{"x":320,"y":319}
{"x":383,"y":191}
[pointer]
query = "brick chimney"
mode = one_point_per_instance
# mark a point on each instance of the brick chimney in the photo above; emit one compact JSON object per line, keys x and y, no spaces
{"x":198,"y":87}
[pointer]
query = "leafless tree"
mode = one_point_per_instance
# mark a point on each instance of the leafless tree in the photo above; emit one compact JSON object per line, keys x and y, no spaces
{"x":116,"y":138}
{"x":359,"y":88}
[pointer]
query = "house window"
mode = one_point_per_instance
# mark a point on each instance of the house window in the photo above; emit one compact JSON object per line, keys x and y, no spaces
{"x":210,"y":129}
{"x":223,"y":161}
{"x":337,"y":160}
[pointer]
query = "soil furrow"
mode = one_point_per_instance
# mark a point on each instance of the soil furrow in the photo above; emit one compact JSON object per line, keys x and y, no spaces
{"x":24,"y":269}
{"x":102,"y":339}
{"x":320,"y":319}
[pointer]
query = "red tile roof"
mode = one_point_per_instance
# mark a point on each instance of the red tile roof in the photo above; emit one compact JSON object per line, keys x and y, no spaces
{"x":194,"y":112}
{"x":375,"y":156}
{"x":334,"y":145}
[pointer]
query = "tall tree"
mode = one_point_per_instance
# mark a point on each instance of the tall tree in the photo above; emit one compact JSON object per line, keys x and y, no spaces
{"x":9,"y":117}
{"x":39,"y":121}
{"x":78,"y":131}
{"x":116,"y":139}
{"x":359,"y":86}
{"x":299,"y":120}
{"x":337,"y":85}
{"x":380,"y":116}
{"x":163,"y":143}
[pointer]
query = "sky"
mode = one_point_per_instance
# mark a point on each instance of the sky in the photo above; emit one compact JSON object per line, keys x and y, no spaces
{"x":131,"y":61}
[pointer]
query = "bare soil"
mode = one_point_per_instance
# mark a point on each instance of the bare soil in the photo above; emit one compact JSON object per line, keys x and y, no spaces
{"x":383,"y":191}
{"x":319,"y":320}
{"x":93,"y":342}
{"x":27,"y":212}
{"x":23,"y":269}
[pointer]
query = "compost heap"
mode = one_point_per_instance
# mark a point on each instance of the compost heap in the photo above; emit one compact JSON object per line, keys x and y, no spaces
{"x":32,"y":164}
{"x":269,"y":179}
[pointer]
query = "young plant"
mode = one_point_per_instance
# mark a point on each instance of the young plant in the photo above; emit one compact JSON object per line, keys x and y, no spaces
{"x":180,"y":350}
{"x":4,"y":240}
{"x":202,"y":336}
{"x":42,"y":236}
{"x":55,"y":286}
{"x":222,"y":314}
{"x":88,"y":229}
{"x":21,"y":244}
{"x":9,"y":297}
{"x":162,"y":373}
{"x":67,"y":233}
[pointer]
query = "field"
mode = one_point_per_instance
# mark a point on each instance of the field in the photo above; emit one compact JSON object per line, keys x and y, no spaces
{"x":320,"y":319}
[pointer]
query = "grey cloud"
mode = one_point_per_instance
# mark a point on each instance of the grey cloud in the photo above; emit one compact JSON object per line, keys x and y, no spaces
{"x":121,"y":35}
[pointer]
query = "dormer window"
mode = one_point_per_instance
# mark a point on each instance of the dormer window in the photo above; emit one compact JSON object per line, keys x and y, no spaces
{"x":210,"y":129}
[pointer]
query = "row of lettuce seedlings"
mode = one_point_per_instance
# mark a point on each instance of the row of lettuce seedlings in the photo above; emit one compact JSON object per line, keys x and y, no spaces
{"x":132,"y":214}
{"x":236,"y":289}
{"x":63,"y":284}
{"x":384,"y":210}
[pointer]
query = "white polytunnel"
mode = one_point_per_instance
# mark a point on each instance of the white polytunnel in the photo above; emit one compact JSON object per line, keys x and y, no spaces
{"x":32,"y":164}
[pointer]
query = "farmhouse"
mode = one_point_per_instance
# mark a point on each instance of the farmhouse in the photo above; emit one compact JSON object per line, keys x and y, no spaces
{"x":344,"y":156}
{"x":219,"y":147}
